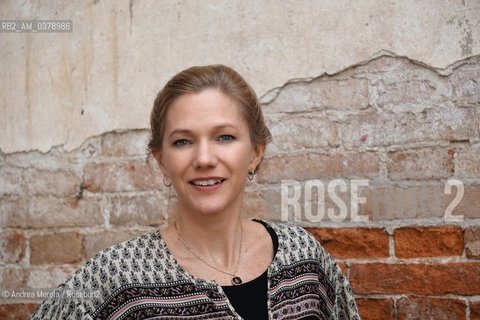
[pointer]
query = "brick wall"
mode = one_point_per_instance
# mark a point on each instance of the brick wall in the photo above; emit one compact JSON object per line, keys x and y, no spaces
{"x":405,"y":129}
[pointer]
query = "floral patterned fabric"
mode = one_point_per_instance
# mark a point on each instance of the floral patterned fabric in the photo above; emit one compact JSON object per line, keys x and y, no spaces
{"x":140,"y":279}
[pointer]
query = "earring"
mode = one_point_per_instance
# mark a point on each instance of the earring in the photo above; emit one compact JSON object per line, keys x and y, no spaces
{"x":166,"y":183}
{"x":251,"y":174}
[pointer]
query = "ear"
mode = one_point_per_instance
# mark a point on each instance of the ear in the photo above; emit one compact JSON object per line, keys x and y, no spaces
{"x":257,"y":156}
{"x":158,"y":157}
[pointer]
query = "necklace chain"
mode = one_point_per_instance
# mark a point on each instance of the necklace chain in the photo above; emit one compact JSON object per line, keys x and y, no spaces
{"x":234,"y":274}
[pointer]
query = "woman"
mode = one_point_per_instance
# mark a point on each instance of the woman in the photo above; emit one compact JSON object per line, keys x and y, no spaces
{"x":208,"y":138}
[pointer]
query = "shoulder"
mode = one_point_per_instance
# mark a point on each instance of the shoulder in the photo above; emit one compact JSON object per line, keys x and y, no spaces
{"x":117,"y":265}
{"x":121,"y":251}
{"x":145,"y":242}
{"x":114,"y":261}
{"x":141,"y":248}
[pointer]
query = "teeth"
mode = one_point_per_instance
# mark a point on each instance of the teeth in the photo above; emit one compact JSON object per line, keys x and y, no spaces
{"x":206,"y":183}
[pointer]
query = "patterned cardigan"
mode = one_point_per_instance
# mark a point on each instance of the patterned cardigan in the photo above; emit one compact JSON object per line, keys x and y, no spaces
{"x":140,"y":279}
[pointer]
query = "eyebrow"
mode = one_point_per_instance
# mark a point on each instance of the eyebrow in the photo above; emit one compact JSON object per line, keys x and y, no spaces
{"x":216,"y":128}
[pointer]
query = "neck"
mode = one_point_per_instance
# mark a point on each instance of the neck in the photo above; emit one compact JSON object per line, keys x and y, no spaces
{"x":209,"y":227}
{"x":215,"y":239}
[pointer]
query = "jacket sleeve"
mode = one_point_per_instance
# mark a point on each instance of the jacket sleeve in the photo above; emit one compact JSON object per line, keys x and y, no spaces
{"x":345,"y":307}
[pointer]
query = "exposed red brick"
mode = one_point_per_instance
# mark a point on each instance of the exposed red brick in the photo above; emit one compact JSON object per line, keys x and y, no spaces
{"x":475,"y":311}
{"x":318,"y":166}
{"x":64,"y":247}
{"x":375,"y":309}
{"x":423,"y":279}
{"x":472,"y":242}
{"x":353,"y":242}
{"x":412,"y":242}
{"x":420,"y":164}
{"x":415,"y":308}
{"x":134,"y":175}
{"x":20,"y":311}
{"x":12,"y":246}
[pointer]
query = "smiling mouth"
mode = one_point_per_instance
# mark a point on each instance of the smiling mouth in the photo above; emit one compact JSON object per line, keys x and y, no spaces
{"x":207,"y":183}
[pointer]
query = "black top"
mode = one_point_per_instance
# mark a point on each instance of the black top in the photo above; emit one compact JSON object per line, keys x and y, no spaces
{"x":250,"y":299}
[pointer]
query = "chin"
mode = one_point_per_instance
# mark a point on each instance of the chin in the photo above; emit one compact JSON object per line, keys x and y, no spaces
{"x":211,"y":206}
{"x":210,"y":211}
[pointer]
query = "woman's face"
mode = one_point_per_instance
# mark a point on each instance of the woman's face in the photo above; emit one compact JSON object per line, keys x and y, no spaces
{"x":207,"y":152}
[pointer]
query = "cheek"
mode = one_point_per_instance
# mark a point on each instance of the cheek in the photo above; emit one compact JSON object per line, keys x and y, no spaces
{"x":171,"y":164}
{"x":246,"y":157}
{"x":176,"y":166}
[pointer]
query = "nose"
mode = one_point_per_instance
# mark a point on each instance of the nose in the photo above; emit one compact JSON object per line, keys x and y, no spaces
{"x":205,"y":156}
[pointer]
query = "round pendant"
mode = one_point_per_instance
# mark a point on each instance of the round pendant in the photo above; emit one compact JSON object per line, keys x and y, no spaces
{"x":236,"y":281}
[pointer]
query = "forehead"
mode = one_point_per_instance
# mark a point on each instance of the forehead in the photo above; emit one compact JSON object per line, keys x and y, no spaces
{"x":208,"y":107}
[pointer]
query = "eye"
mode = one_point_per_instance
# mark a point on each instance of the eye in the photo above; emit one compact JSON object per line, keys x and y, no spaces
{"x":181,"y":143}
{"x":226,"y":138}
